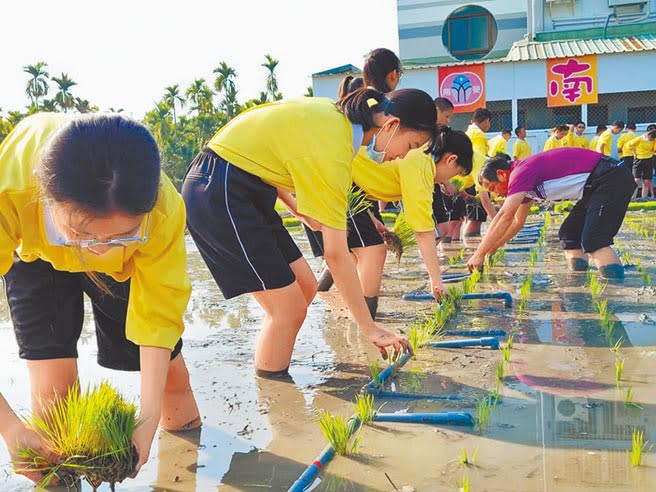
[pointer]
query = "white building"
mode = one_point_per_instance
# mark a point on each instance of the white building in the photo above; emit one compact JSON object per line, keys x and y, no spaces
{"x":514,"y":39}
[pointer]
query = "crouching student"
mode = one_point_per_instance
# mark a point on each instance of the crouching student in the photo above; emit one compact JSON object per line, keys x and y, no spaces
{"x":86,"y":209}
{"x":601,"y":185}
{"x":303,"y":146}
{"x":642,"y":150}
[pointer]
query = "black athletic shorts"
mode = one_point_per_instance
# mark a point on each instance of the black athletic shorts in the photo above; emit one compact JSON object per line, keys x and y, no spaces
{"x":598,"y":215}
{"x":361,"y":232}
{"x":440,"y":211}
{"x":455,"y":207}
{"x":47,"y":311}
{"x":232,"y":219}
{"x":643,"y":168}
{"x":475,"y":210}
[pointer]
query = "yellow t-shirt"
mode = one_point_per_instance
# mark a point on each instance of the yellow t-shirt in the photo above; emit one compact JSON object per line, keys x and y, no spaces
{"x":160,"y":287}
{"x":521,"y":149}
{"x":478,"y":139}
{"x":593,"y":143}
{"x":553,"y":143}
{"x":472,"y":178}
{"x":497,"y":146}
{"x":573,"y":140}
{"x":302,"y":145}
{"x":411,"y":179}
{"x":605,"y":139}
{"x":623,"y":139}
{"x":643,"y":148}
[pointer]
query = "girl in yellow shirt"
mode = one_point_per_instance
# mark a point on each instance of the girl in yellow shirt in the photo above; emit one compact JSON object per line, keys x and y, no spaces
{"x":304,"y":146}
{"x":85,"y":209}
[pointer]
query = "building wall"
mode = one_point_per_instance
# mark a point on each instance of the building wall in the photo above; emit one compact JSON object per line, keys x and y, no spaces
{"x":327,"y":86}
{"x":421,"y":23}
{"x":586,"y":14}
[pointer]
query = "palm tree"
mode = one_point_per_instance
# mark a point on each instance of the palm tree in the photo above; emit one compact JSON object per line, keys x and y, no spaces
{"x":38,"y":83}
{"x":200,"y":95}
{"x":171,"y":96}
{"x":309,"y":92}
{"x":262,"y":99}
{"x":159,"y":122}
{"x":225,"y":80}
{"x":63,"y":97}
{"x":271,"y":80}
{"x":84,"y":106}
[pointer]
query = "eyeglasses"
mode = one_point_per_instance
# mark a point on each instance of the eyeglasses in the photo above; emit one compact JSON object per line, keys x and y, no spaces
{"x":116,"y":242}
{"x":400,"y":72}
{"x":581,"y":127}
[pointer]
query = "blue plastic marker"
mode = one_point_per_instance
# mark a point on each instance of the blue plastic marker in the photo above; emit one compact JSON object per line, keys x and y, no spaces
{"x":492,"y":342}
{"x":443,"y":418}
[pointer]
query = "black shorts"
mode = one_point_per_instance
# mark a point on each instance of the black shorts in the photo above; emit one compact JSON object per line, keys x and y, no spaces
{"x":239,"y":234}
{"x":643,"y":168}
{"x":598,"y":215}
{"x":440,"y":211}
{"x":361,"y":232}
{"x":47,"y":311}
{"x":475,"y":210}
{"x":455,"y":207}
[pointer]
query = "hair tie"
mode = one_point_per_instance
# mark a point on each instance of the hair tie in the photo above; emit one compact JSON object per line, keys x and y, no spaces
{"x":371,"y":102}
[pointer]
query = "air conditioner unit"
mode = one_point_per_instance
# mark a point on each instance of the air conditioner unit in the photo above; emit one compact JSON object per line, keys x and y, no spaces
{"x":570,"y":410}
{"x":625,"y":3}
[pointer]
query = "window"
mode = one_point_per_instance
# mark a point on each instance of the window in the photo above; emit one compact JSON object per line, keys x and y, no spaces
{"x":501,"y":115}
{"x":469,"y":32}
{"x":597,"y":114}
{"x":645,"y":114}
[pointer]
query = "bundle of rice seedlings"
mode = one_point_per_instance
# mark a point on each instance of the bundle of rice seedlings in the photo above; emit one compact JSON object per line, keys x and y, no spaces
{"x":400,"y":238}
{"x":338,"y":431}
{"x":357,"y":201}
{"x":91,"y":433}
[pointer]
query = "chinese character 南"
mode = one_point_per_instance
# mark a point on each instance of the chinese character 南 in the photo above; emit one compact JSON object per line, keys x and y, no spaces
{"x":571,"y":85}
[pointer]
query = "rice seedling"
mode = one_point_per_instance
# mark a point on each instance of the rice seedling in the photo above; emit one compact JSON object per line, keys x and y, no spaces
{"x":400,"y":238}
{"x":547,"y":221}
{"x":375,"y":372}
{"x":364,"y":408}
{"x":604,"y":313}
{"x":533,"y":259}
{"x":506,"y":353}
{"x":483,"y":411}
{"x":645,"y":276}
{"x":525,"y":292}
{"x":510,"y":342}
{"x":638,"y":445}
{"x":337,"y":430}
{"x":357,"y":201}
{"x":464,"y":486}
{"x":454,"y":294}
{"x":91,"y":433}
{"x":596,"y":288}
{"x":619,"y":367}
{"x":617,"y":346}
{"x":499,"y":372}
{"x":465,"y":459}
{"x":628,"y":398}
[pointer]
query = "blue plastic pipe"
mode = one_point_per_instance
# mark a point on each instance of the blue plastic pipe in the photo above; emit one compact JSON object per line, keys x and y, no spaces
{"x":427,"y":296}
{"x":523,"y":241}
{"x":519,"y":249}
{"x":387,"y":373}
{"x":476,"y":333}
{"x":448,"y":276}
{"x":307,"y":477}
{"x":415,"y":396}
{"x":444,"y":418}
{"x":492,"y":342}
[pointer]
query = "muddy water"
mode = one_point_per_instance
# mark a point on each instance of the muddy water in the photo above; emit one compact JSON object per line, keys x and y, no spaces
{"x":562,"y":425}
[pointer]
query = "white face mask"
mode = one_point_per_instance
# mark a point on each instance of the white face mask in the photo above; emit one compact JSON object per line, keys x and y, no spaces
{"x":376,"y":155}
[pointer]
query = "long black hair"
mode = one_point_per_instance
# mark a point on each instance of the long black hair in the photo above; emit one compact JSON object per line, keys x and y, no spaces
{"x":377,"y":66}
{"x":348,"y":85}
{"x":455,"y":142}
{"x":492,"y":165}
{"x":102,"y":164}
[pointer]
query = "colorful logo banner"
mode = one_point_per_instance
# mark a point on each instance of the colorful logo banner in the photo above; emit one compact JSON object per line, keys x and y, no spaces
{"x":572,"y":81}
{"x":464,"y":86}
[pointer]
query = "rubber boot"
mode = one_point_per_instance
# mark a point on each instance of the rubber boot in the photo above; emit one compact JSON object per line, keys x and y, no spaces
{"x":577,"y":264}
{"x":372,"y":304}
{"x":325,"y":281}
{"x":613,"y":271}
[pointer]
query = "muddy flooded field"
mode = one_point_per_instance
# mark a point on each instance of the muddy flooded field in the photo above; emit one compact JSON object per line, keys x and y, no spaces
{"x":564,"y":420}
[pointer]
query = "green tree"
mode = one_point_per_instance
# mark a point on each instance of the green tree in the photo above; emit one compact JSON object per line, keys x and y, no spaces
{"x":309,"y":92}
{"x":159,"y":122}
{"x":84,"y":106}
{"x":271,"y":80}
{"x":256,"y":101}
{"x":225,"y":84}
{"x":200,"y":96}
{"x":64,"y":98}
{"x":37,"y":86}
{"x":172,"y":96}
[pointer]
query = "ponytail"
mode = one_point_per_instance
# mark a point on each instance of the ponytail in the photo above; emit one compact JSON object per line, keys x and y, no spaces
{"x":360,"y":106}
{"x":378,"y":65}
{"x":348,"y":85}
{"x":455,"y":142}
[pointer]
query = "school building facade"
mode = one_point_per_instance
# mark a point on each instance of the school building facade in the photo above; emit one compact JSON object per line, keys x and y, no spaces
{"x":537,"y":63}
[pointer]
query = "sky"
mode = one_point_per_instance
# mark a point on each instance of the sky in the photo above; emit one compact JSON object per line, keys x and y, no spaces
{"x":123,"y":53}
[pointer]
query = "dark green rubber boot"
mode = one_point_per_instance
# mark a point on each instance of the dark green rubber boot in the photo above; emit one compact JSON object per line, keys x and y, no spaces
{"x":613,"y":271}
{"x":577,"y":264}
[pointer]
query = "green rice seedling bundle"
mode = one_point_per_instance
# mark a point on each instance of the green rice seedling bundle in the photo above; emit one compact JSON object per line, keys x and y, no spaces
{"x":617,"y":346}
{"x":91,"y":432}
{"x":465,"y":459}
{"x":364,"y":408}
{"x":525,"y":292}
{"x":483,"y":412}
{"x":619,"y":368}
{"x":533,"y":258}
{"x":638,"y":445}
{"x":547,"y":221}
{"x":596,"y":288}
{"x":499,"y":373}
{"x":465,"y":485}
{"x":510,"y":342}
{"x":400,"y":238}
{"x":506,"y":353}
{"x":628,"y":398}
{"x":375,"y":372}
{"x":337,"y":430}
{"x":357,"y":200}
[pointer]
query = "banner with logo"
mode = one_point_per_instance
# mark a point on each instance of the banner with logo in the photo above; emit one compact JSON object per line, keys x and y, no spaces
{"x":463,"y":85}
{"x":572,"y":81}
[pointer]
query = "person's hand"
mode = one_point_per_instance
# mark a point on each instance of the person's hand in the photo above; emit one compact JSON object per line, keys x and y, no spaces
{"x":475,"y":262}
{"x":380,"y":227}
{"x":312,"y":224}
{"x":142,"y":439}
{"x":437,"y":289}
{"x":19,"y":437}
{"x":387,"y":342}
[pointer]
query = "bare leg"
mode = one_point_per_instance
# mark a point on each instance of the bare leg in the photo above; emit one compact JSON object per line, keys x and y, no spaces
{"x":472,"y":228}
{"x":370,"y":264}
{"x":605,"y":256}
{"x":305,"y":278}
{"x":50,"y":379}
{"x":179,"y":409}
{"x":454,"y":227}
{"x":574,"y":253}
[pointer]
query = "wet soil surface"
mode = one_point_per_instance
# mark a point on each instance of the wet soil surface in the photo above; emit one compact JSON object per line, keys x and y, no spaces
{"x":563,"y":424}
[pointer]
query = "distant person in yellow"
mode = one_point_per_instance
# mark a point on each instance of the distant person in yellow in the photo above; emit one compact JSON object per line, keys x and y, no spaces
{"x":302,"y":150}
{"x":576,"y":137}
{"x":626,"y":154}
{"x":498,"y":144}
{"x":521,"y":148}
{"x":643,"y":149}
{"x":605,"y":142}
{"x":86,"y":209}
{"x":557,"y":138}
{"x":477,"y":213}
{"x":595,"y":140}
